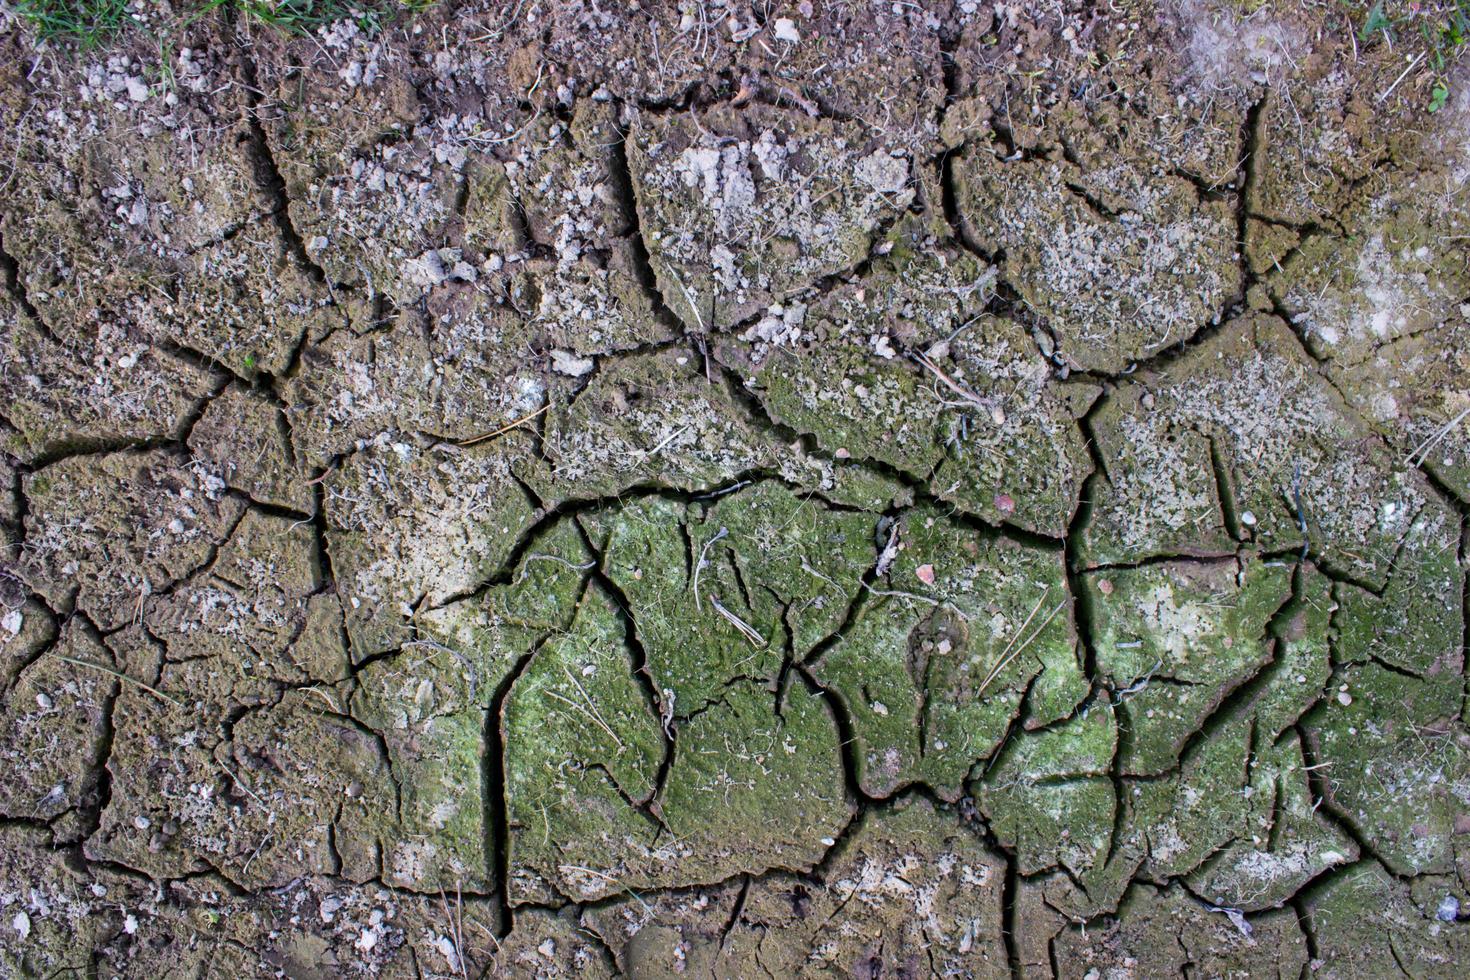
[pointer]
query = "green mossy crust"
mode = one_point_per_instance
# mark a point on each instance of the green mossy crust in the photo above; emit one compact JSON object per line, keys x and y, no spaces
{"x":753,"y":786}
{"x":1175,"y":638}
{"x":429,"y":704}
{"x":583,"y":748}
{"x":1417,"y":623}
{"x":782,"y":563}
{"x":1287,"y":841}
{"x":932,"y":679}
{"x":1398,"y":769}
{"x":684,"y":489}
{"x":1366,"y":919}
{"x":1047,"y":795}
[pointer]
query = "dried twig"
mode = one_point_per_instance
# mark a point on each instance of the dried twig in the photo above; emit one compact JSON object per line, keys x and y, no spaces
{"x":741,"y":626}
{"x":505,"y":428}
{"x":701,"y":563}
{"x":896,"y":594}
{"x":240,"y":783}
{"x":456,"y":926}
{"x":1138,"y":685}
{"x":591,"y":708}
{"x":665,"y":441}
{"x":1006,"y":659}
{"x":574,"y":566}
{"x":122,"y":677}
{"x":889,"y":554}
{"x":1404,"y":74}
{"x":1422,"y":450}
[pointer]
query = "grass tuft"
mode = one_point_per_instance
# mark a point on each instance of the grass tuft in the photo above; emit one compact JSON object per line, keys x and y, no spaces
{"x":86,"y":22}
{"x":1437,"y":35}
{"x":89,"y":22}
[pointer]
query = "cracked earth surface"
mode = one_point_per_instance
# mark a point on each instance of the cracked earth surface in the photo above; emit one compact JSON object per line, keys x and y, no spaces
{"x":734,"y":489}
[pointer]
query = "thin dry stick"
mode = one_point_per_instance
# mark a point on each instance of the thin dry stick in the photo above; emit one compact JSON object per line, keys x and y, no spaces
{"x":456,"y":929}
{"x":700,"y":564}
{"x":506,"y":428}
{"x":591,"y":717}
{"x":609,"y":879}
{"x":122,"y":677}
{"x":741,"y":626}
{"x":535,"y":556}
{"x":950,"y":383}
{"x":1422,"y":450}
{"x":239,"y":782}
{"x":896,"y":594}
{"x":592,"y":705}
{"x":1027,"y":622}
{"x":676,"y":434}
{"x":1405,"y":74}
{"x":693,"y":306}
{"x":995,"y":672}
{"x":806,"y":567}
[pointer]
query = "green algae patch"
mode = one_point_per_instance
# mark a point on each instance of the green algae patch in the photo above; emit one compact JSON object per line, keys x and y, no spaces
{"x":583,"y":748}
{"x":428,"y":705}
{"x":1417,"y":623}
{"x":1366,"y":918}
{"x":1048,"y":797}
{"x":1396,"y":768}
{"x":1180,"y":820}
{"x":1175,"y":638}
{"x":774,"y":574}
{"x":720,"y":590}
{"x":1287,"y":841}
{"x":1303,"y":637}
{"x":933,"y":672}
{"x":754,"y":785}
